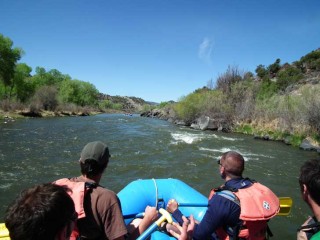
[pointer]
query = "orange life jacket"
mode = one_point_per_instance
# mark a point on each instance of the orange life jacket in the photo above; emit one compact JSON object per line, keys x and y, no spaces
{"x":258,"y":204}
{"x":77,"y":193}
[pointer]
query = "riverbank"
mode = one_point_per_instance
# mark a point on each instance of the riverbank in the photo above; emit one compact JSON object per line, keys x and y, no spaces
{"x":18,"y":114}
{"x":301,"y":141}
{"x":258,"y":131}
{"x":5,"y":115}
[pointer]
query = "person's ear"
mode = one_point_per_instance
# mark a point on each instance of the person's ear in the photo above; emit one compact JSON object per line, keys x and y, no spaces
{"x":222,"y":171}
{"x":305,"y":189}
{"x":305,"y":192}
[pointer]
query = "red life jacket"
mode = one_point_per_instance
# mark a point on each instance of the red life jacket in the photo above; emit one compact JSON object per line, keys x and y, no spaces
{"x":258,"y":204}
{"x":77,"y":193}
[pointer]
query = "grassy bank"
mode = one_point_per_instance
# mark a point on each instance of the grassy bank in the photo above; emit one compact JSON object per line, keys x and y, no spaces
{"x":271,"y":134}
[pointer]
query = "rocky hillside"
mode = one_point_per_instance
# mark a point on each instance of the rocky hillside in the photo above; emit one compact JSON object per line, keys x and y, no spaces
{"x":127,"y":104}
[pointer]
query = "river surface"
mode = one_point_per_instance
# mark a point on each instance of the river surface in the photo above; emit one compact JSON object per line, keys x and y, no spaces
{"x":41,"y":150}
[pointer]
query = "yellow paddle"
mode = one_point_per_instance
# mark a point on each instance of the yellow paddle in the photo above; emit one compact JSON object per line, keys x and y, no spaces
{"x":285,"y":206}
{"x":165,"y":217}
{"x":4,"y":233}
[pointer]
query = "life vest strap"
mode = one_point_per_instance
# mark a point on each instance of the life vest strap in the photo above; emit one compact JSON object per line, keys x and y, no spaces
{"x":229,"y":195}
{"x":269,"y":232}
{"x":233,"y":189}
{"x":312,"y":226}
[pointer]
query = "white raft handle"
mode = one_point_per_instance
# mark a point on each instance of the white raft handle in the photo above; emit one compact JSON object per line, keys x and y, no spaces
{"x":156,"y":188}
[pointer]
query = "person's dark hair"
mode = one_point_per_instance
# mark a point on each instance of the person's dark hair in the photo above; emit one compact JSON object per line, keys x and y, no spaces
{"x":310,"y":176}
{"x":92,"y":168}
{"x":39,"y":212}
{"x":233,"y":162}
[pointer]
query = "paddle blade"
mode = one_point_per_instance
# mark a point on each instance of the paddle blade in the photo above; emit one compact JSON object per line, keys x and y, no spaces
{"x":4,"y":233}
{"x":285,"y":206}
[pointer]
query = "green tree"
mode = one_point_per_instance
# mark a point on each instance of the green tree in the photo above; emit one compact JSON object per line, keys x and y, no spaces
{"x":261,"y":71}
{"x":105,"y":104}
{"x":78,"y":92}
{"x":248,"y":76}
{"x":211,"y":103}
{"x":22,"y":87}
{"x":187,"y":108}
{"x":68,"y":91}
{"x":288,"y":76}
{"x":8,"y":60}
{"x":266,"y":89}
{"x":52,"y":77}
{"x":274,"y":68}
{"x":88,"y":94}
{"x":311,"y":60}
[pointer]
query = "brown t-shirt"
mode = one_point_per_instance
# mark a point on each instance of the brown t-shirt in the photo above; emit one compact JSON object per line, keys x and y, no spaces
{"x":103,"y":214}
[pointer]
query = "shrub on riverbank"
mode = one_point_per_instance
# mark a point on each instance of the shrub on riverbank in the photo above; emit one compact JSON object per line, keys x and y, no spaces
{"x":203,"y":102}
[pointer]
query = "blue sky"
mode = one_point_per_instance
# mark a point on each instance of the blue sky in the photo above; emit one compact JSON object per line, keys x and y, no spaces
{"x":158,"y":50}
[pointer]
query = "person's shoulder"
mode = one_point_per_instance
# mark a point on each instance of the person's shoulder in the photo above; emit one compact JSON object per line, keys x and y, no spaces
{"x":261,"y":187}
{"x":66,"y":181}
{"x":100,"y":190}
{"x":105,"y":196}
{"x":76,"y":179}
{"x":104,"y":189}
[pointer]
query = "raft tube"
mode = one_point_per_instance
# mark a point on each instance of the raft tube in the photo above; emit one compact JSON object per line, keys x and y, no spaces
{"x":157,"y":192}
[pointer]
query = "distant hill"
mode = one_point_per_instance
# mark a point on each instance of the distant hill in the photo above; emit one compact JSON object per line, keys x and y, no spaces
{"x":128,"y":104}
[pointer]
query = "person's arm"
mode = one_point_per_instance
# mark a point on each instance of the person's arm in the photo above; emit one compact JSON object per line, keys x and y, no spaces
{"x":172,"y":207}
{"x":184,"y":232}
{"x":150,"y":215}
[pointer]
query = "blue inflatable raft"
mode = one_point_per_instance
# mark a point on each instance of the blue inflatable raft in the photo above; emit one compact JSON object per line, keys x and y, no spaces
{"x":157,"y":192}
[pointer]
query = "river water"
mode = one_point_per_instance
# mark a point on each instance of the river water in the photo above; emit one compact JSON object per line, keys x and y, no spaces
{"x":42,"y":150}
